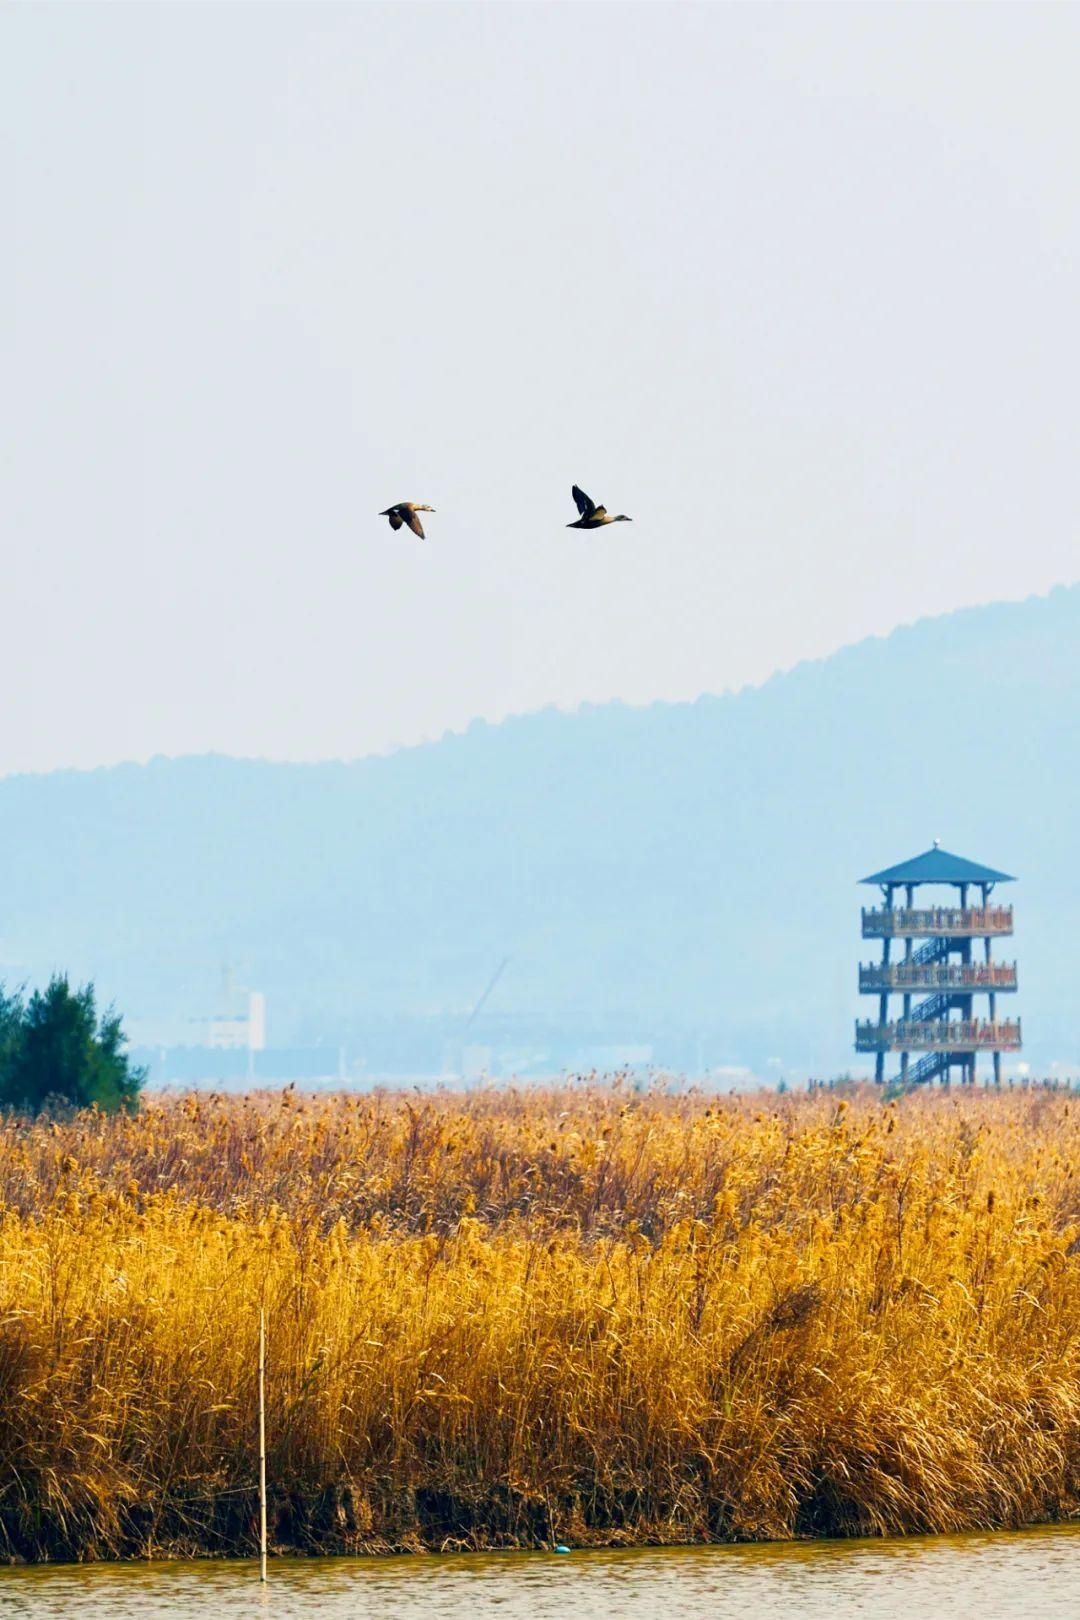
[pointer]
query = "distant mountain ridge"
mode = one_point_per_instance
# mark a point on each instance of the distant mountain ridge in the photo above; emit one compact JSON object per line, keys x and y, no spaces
{"x":681,"y":876}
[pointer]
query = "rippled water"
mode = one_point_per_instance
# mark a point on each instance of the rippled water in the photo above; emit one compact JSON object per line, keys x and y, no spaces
{"x":1031,"y":1573}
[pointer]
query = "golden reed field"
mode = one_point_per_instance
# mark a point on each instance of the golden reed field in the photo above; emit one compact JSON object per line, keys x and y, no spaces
{"x":514,"y":1317}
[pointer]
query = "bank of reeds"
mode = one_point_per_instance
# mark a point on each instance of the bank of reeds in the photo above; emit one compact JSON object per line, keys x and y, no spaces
{"x":509,"y":1318}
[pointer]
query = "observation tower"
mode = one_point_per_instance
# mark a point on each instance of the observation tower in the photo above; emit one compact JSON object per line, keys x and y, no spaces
{"x":946,"y":971}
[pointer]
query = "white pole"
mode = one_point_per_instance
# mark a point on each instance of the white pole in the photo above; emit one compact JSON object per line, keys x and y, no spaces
{"x":262,"y":1445}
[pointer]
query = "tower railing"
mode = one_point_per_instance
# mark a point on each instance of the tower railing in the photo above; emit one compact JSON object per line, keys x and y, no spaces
{"x":950,"y":922}
{"x":938,"y":1035}
{"x":929,"y":975}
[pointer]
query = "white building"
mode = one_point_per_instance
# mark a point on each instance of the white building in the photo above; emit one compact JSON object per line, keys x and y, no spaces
{"x":243,"y":1029}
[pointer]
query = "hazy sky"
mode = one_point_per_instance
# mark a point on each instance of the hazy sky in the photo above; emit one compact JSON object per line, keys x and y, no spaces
{"x":794,"y":286}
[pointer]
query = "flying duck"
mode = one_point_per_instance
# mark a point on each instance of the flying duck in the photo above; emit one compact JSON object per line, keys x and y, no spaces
{"x":592,"y":516}
{"x":405,"y":512}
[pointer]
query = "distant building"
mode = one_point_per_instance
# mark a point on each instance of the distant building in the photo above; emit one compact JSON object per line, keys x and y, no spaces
{"x":946,"y":971}
{"x":242,"y":1029}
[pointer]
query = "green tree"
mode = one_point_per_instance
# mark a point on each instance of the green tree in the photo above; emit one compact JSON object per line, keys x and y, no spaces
{"x":54,"y":1047}
{"x":12,"y":1013}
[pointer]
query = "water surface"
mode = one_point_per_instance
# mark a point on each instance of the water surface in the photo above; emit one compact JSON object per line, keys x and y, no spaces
{"x":1030,"y":1573}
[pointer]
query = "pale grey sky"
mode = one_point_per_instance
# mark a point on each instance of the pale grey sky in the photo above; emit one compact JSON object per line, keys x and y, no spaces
{"x":794,"y":286}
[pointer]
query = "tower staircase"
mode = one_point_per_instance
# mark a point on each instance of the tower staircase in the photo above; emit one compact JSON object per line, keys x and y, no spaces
{"x":928,"y":1068}
{"x":933,"y":1007}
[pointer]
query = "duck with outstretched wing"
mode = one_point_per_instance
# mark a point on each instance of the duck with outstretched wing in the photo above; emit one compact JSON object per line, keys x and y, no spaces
{"x":591,"y":516}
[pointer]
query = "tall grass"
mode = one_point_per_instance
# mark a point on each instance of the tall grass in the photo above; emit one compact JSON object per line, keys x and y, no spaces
{"x":512,"y":1317}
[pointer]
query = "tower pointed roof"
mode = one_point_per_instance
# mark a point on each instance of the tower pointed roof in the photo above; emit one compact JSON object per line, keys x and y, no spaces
{"x":936,"y":865}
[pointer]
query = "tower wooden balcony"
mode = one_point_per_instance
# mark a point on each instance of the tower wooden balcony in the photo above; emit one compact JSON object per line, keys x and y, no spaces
{"x":963,"y":1035}
{"x":936,"y":977}
{"x":936,"y":922}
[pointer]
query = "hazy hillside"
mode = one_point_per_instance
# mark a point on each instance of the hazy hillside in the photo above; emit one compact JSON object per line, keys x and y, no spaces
{"x":681,"y":875}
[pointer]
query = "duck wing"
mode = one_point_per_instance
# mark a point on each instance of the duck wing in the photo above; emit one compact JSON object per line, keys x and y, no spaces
{"x":395,"y":517}
{"x":585,"y":506}
{"x":414,"y":523}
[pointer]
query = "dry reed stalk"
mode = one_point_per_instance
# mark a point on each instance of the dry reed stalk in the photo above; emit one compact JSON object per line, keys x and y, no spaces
{"x":262,"y":1445}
